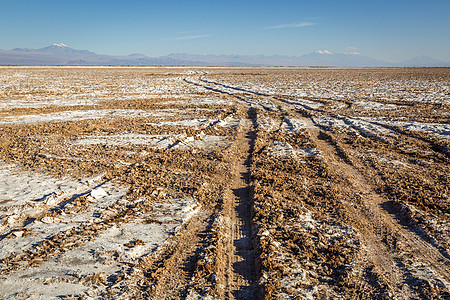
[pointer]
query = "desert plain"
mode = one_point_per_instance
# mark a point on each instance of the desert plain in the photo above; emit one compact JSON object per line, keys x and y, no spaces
{"x":224,"y":183}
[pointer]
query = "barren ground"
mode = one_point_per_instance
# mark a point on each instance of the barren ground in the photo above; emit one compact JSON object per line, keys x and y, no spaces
{"x":224,"y":183}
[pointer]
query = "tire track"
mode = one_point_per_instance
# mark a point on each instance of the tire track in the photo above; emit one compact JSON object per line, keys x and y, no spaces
{"x":239,"y":272}
{"x":392,"y":249}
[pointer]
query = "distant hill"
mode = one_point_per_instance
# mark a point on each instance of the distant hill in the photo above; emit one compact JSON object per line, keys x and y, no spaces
{"x":318,"y":58}
{"x":423,"y":61}
{"x":326,"y":58}
{"x":61,"y":54}
{"x":60,"y":49}
{"x":137,"y":55}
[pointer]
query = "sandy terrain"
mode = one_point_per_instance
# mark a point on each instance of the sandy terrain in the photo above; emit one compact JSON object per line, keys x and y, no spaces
{"x":224,"y":183}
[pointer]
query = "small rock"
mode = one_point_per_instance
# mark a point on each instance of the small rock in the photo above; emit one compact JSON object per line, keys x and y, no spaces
{"x":49,"y":220}
{"x":265,"y":233}
{"x":11,"y":219}
{"x":18,"y":233}
{"x":51,"y":200}
{"x":98,"y":193}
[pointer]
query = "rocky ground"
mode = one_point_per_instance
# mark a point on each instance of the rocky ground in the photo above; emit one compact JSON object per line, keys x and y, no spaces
{"x":224,"y":183}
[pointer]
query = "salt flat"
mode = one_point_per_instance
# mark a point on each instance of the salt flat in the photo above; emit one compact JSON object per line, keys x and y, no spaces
{"x":274,"y":183}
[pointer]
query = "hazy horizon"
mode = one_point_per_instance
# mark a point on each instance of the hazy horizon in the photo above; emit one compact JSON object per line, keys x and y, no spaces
{"x":388,"y":31}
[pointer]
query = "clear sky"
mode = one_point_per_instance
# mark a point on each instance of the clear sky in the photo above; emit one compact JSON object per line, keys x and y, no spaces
{"x":389,"y":30}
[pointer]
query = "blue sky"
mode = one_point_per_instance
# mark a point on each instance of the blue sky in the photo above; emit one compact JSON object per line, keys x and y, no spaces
{"x":388,"y":30}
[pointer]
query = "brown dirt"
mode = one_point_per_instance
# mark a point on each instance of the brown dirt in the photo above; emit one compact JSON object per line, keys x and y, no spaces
{"x":319,"y":193}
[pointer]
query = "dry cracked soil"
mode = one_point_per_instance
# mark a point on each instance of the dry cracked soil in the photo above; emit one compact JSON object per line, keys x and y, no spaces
{"x":224,"y":183}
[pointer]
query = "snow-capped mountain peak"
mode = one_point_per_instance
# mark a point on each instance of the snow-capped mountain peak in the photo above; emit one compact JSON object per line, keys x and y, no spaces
{"x":323,"y":52}
{"x":60,"y":45}
{"x":63,"y":49}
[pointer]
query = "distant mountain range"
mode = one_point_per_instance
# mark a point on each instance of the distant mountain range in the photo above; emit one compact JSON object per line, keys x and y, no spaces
{"x":61,"y":54}
{"x":318,"y":58}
